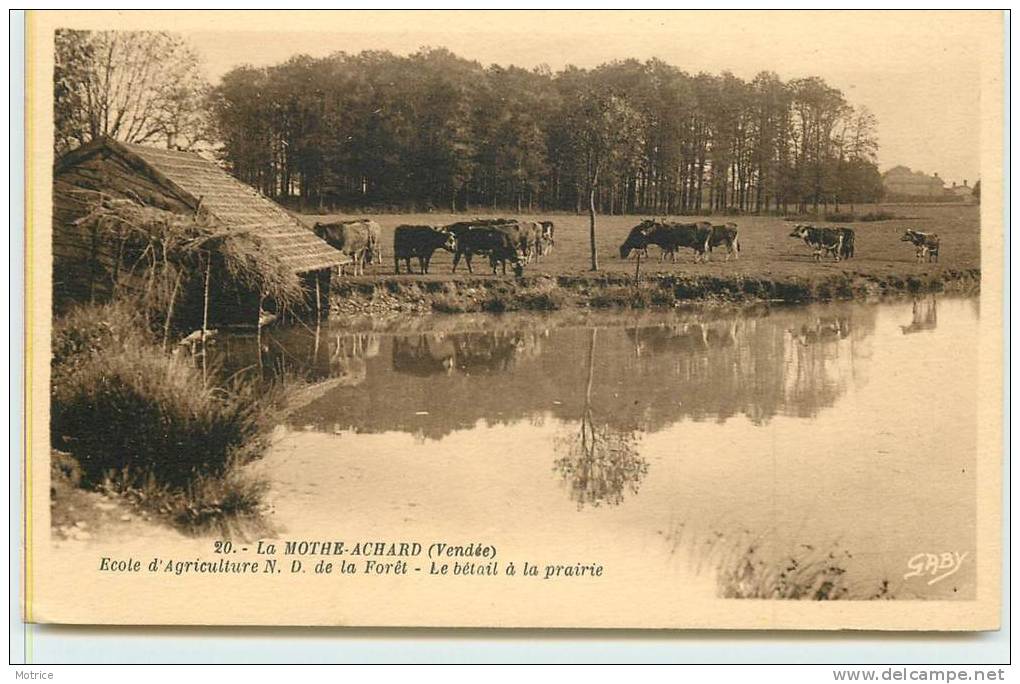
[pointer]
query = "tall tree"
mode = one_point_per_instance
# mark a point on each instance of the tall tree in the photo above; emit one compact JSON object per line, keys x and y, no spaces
{"x":135,"y":86}
{"x":606,"y":139}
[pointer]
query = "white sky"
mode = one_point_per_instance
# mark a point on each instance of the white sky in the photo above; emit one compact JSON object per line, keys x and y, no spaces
{"x":917,"y":71}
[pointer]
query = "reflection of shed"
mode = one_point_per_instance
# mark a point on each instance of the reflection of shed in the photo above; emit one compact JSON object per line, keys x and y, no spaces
{"x":89,"y":263}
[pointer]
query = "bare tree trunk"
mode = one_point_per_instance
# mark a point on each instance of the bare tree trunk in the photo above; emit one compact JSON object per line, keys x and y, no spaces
{"x":205,"y":297}
{"x":258,"y":329}
{"x":170,"y":309}
{"x":591,"y":218}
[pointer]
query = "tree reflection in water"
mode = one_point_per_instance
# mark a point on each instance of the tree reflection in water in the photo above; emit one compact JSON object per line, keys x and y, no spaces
{"x":600,"y":462}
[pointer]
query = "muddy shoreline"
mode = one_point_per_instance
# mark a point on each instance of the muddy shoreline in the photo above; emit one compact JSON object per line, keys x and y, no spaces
{"x":392,"y":294}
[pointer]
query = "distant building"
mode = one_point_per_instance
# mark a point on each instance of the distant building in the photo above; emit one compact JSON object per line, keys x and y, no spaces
{"x":900,"y":180}
{"x":964,"y":193}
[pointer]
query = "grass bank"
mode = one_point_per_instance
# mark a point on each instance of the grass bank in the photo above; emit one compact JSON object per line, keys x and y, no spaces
{"x":618,"y":290}
{"x":147,"y":426}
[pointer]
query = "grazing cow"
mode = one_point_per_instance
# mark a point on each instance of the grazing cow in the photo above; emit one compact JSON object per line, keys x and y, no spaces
{"x":546,"y":243}
{"x":524,"y":235}
{"x":420,"y":242}
{"x":725,"y":235}
{"x":670,"y":237}
{"x":493,"y":240}
{"x":927,"y":244}
{"x":352,"y":238}
{"x":821,"y":240}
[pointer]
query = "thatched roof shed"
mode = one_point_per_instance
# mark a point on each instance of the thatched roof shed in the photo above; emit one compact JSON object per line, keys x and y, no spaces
{"x":88,"y":264}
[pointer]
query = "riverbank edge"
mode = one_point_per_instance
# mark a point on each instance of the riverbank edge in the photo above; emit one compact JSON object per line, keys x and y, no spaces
{"x":395,"y":294}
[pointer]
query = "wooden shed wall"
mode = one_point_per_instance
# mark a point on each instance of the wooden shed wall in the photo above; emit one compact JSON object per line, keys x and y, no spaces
{"x":84,"y":263}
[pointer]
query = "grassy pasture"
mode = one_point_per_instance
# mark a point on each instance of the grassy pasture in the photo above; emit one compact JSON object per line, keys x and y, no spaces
{"x":767,"y":251}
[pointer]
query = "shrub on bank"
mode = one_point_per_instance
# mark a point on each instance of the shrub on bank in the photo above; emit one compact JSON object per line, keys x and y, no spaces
{"x":91,"y":329}
{"x":450,"y":302}
{"x":147,"y":412}
{"x":499,"y":298}
{"x":624,"y":297}
{"x":527,"y":299}
{"x":132,"y":415}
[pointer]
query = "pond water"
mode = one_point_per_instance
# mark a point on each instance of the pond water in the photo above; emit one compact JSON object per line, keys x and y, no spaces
{"x":737,"y":450}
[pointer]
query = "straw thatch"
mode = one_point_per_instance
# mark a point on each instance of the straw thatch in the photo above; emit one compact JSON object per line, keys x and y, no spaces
{"x":200,"y":185}
{"x":167,"y":243}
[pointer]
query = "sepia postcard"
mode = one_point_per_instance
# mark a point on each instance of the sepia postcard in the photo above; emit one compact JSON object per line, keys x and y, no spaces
{"x":544,"y":319}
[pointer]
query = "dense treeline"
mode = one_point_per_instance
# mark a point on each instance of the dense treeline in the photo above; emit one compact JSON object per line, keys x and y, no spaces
{"x":435,"y":130}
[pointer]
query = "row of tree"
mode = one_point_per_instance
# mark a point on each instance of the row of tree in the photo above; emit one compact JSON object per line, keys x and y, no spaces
{"x":435,"y":130}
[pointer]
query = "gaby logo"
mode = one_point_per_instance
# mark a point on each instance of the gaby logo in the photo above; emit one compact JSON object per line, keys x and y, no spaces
{"x":937,"y":566}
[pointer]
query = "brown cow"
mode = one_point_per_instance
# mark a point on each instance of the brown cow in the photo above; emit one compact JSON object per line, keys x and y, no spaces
{"x":669,"y":237}
{"x":353,"y":238}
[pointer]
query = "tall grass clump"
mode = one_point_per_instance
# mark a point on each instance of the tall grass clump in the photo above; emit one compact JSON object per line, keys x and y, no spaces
{"x":87,"y":330}
{"x":809,"y":574}
{"x":145,"y":422}
{"x":228,"y":504}
{"x":149,"y":413}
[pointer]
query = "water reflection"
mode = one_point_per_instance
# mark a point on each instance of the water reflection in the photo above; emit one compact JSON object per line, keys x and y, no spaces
{"x":583,"y":431}
{"x":308,"y":355}
{"x":925,"y":316}
{"x":653,"y":370}
{"x":599,"y":462}
{"x":430,"y":354}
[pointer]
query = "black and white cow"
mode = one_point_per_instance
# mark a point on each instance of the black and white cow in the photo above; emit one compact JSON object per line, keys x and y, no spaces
{"x":727,"y":236}
{"x":926,"y":244}
{"x":821,"y":240}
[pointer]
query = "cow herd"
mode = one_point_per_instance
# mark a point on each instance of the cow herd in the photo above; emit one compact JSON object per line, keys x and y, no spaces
{"x":516,"y":243}
{"x":503,"y":241}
